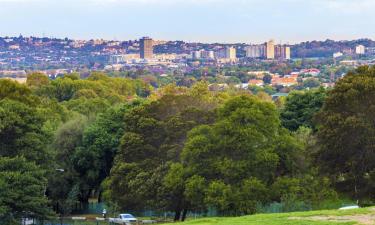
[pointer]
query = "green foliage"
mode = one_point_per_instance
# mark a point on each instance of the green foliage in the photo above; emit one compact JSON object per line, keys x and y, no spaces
{"x":346,"y":132}
{"x":21,"y":132}
{"x":22,"y":187}
{"x":267,"y":78}
{"x":195,"y":191}
{"x":253,"y":192}
{"x":307,"y":189}
{"x":94,"y":158}
{"x":220,"y":196}
{"x":62,"y":187}
{"x":300,"y":108}
{"x":17,"y":92}
{"x":311,"y":83}
{"x":97,"y":85}
{"x":157,"y":130}
{"x":182,"y":149}
{"x":37,"y":80}
{"x":267,"y":89}
{"x":239,"y":154}
{"x":88,"y":106}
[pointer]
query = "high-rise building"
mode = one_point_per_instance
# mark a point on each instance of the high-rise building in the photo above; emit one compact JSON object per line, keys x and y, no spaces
{"x":230,"y":53}
{"x":146,"y":47}
{"x":282,"y":52}
{"x":287,"y":53}
{"x":360,"y":50}
{"x":227,"y":55}
{"x":208,"y":54}
{"x":370,"y":50}
{"x":256,"y":51}
{"x":196,"y":54}
{"x":270,"y":49}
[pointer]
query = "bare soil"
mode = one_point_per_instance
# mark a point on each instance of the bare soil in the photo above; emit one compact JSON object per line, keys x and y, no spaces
{"x":360,"y":219}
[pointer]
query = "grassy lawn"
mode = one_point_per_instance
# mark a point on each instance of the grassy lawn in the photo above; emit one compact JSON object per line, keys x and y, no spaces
{"x":363,"y":216}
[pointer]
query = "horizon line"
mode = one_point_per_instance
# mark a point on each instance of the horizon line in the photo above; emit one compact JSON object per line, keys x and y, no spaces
{"x":188,"y":41}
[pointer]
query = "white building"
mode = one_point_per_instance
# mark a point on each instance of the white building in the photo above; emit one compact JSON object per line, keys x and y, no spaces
{"x":196,"y":54}
{"x":117,"y":59}
{"x":208,"y":54}
{"x":337,"y":54}
{"x":360,"y":50}
{"x":256,"y":51}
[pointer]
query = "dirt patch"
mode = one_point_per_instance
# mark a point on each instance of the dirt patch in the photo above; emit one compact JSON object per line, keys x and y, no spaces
{"x":360,"y":219}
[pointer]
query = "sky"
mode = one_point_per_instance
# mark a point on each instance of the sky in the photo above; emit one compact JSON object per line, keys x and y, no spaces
{"x":226,"y":21}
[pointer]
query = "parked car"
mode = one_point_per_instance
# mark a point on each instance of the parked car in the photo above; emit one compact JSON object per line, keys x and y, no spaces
{"x":349,"y":207}
{"x":123,"y":218}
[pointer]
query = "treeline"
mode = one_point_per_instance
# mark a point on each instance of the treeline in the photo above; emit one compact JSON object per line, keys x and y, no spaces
{"x":182,"y":149}
{"x":312,"y":49}
{"x":45,"y":127}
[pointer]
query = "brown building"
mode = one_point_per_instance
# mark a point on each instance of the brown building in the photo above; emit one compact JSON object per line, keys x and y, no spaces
{"x":282,"y":52}
{"x":146,"y":47}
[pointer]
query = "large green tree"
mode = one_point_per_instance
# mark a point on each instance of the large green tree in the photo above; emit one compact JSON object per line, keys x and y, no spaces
{"x":346,"y":133}
{"x":235,"y":158}
{"x":93,"y":159}
{"x":154,"y":137}
{"x":300,"y":108}
{"x":22,"y":191}
{"x":21,"y":132}
{"x":66,"y":185}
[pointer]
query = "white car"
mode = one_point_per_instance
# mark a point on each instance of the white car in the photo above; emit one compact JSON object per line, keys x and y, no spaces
{"x":124,"y":218}
{"x":349,"y":207}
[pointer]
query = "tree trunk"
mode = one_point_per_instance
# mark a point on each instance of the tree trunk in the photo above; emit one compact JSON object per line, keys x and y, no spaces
{"x":177,"y":215}
{"x":184,"y":215}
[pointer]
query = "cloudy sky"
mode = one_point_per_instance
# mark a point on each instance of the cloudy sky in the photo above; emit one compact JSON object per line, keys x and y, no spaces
{"x":250,"y":21}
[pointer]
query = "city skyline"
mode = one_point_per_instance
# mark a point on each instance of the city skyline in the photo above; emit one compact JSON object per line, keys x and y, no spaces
{"x":208,"y":21}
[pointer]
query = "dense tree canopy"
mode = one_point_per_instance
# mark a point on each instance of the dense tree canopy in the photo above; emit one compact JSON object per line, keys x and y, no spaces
{"x":22,"y":189}
{"x":236,"y":157}
{"x":300,"y":108}
{"x":48,"y":123}
{"x":346,"y":133}
{"x":178,"y":149}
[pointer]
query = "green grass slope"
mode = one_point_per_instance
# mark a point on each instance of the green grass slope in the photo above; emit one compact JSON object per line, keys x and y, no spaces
{"x":364,"y":216}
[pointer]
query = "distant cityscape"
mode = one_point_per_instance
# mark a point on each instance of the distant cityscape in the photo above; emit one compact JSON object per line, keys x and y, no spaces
{"x":288,"y":65}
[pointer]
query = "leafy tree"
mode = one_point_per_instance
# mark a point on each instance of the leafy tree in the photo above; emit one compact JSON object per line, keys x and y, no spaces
{"x":346,"y":132}
{"x":195,"y":192}
{"x":21,"y":132}
{"x":309,"y":190}
{"x":267,"y":78}
{"x":22,"y":187}
{"x":93,"y":160}
{"x":37,"y":80}
{"x":62,"y":188}
{"x":89,"y":107}
{"x":220,"y":196}
{"x":311,"y":83}
{"x":154,"y":137}
{"x":300,"y":108}
{"x":253,"y":192}
{"x":239,"y":154}
{"x":114,"y":90}
{"x":17,"y":92}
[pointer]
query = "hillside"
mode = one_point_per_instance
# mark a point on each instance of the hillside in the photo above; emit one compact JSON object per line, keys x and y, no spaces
{"x":326,"y":217}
